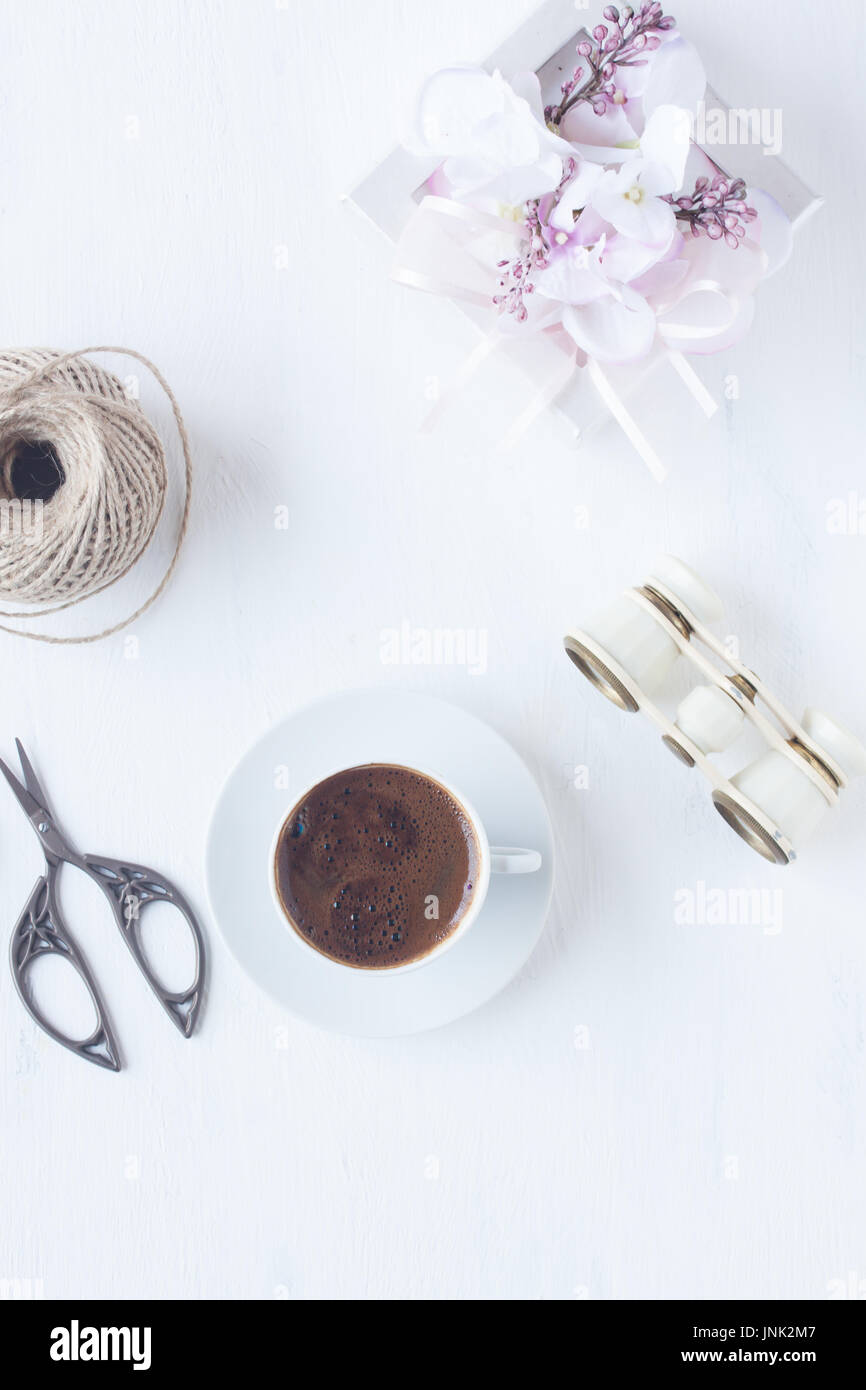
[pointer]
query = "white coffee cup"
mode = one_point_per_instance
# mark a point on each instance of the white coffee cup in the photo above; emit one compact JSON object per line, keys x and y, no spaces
{"x":491,"y":860}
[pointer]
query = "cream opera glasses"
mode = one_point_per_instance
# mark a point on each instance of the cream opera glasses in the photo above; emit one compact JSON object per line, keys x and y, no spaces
{"x":630,"y":649}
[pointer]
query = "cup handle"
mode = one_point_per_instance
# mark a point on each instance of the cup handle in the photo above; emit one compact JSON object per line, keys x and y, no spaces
{"x":513,"y":861}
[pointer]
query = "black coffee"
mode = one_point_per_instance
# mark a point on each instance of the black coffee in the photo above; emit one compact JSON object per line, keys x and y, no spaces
{"x":376,"y":866}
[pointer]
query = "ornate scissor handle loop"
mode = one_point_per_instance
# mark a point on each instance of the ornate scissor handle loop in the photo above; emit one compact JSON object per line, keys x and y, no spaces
{"x":130,"y":888}
{"x":41,"y":931}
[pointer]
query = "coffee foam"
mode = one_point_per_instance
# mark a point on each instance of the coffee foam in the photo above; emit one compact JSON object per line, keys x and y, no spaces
{"x":377,"y":866}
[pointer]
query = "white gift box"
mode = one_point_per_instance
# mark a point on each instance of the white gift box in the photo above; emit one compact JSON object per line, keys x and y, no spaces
{"x":390,"y":195}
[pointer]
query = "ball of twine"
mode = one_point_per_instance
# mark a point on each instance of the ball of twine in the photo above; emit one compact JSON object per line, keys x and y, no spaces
{"x":83,"y":481}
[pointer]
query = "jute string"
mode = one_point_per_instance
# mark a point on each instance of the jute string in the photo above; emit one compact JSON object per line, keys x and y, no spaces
{"x":111,"y":486}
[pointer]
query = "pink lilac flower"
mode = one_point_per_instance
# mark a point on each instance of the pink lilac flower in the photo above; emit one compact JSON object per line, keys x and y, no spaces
{"x":716,"y":209}
{"x":624,"y":42}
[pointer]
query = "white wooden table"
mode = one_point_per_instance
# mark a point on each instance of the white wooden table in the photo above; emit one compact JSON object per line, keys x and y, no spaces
{"x":651,"y":1109}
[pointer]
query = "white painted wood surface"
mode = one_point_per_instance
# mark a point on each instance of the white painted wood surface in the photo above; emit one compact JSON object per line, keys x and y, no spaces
{"x":651,"y":1109}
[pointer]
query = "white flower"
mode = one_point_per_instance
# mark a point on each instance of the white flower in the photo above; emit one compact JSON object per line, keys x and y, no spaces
{"x":605,"y":317}
{"x":492,"y":135}
{"x":629,"y":198}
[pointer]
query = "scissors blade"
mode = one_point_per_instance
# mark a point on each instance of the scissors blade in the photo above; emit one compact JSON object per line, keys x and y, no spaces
{"x":28,"y":803}
{"x":31,"y":781}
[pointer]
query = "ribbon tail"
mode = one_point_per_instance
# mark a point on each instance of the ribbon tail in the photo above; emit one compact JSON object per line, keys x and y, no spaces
{"x":625,"y":421}
{"x":469,"y":367}
{"x":447,"y":289}
{"x":687,"y":374}
{"x":539,"y":403}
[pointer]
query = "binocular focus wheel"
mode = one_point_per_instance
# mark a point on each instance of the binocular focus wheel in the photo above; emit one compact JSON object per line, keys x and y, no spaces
{"x":678,"y":751}
{"x":749,"y":829}
{"x":600,"y":675}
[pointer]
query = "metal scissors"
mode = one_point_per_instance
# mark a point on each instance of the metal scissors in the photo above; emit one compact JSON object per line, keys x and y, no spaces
{"x":41,"y":930}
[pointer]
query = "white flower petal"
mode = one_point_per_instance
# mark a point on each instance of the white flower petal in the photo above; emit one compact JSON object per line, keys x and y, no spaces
{"x":665,"y":146}
{"x":659,"y":223}
{"x":505,"y":140}
{"x":527,"y":87}
{"x":633,"y":81}
{"x":676,"y":77}
{"x":501,"y":192}
{"x":466,"y":174}
{"x":576,"y":195}
{"x":571,"y":278}
{"x":451,"y":104}
{"x":525,"y":102}
{"x":645,"y":218}
{"x":661,"y":281}
{"x":739,"y":270}
{"x":613,"y":329}
{"x":513,"y":187}
{"x":496,"y":142}
{"x":624,"y":260}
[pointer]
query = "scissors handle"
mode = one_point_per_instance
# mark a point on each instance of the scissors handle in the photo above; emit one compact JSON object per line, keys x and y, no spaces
{"x":41,"y":931}
{"x":130,"y":888}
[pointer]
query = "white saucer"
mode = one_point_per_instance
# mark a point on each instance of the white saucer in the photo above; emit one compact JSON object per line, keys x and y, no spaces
{"x":362,"y":727}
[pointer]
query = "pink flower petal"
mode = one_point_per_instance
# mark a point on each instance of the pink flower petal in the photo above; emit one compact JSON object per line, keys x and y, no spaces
{"x":605,"y":139}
